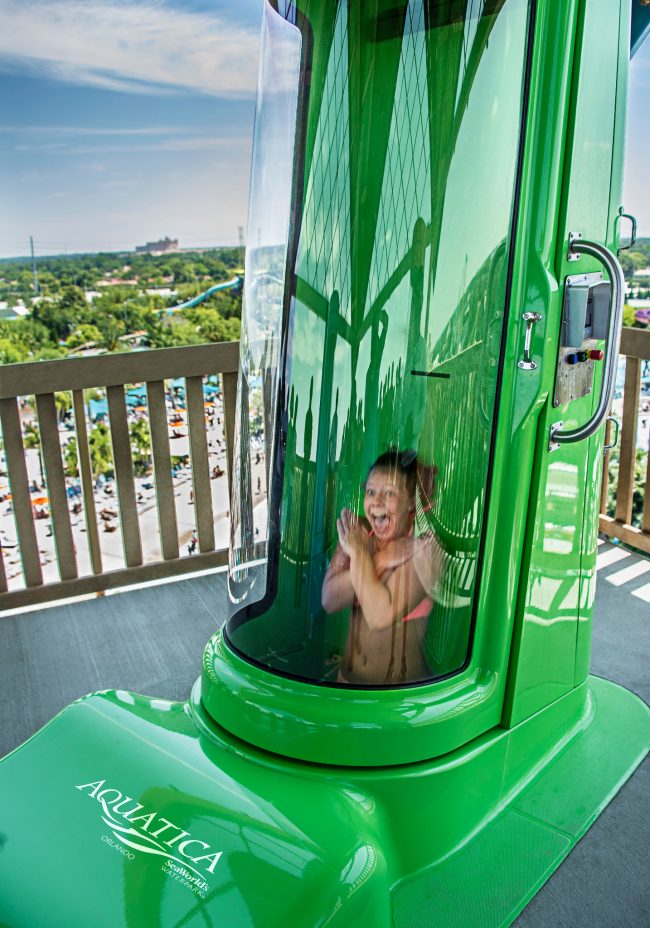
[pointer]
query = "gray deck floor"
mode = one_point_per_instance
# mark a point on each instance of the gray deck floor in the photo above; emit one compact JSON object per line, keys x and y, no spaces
{"x":150,"y":641}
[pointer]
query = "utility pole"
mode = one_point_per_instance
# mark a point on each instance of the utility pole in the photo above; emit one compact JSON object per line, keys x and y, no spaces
{"x":31,"y":245}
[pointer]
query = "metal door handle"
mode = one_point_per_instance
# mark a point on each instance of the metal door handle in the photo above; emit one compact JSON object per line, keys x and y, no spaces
{"x":632,"y":219}
{"x":617,"y":426}
{"x":611,"y":264}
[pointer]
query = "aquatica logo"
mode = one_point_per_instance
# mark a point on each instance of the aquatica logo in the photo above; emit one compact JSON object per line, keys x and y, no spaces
{"x":187,"y":859}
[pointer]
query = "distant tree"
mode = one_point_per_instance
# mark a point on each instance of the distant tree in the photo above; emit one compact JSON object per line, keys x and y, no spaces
{"x":58,"y":324}
{"x":64,"y":314}
{"x":155,"y":302}
{"x":183,"y":332}
{"x":48,"y":283}
{"x":185,"y":273}
{"x":10,"y":353}
{"x":159,"y":336}
{"x":214,"y":328}
{"x":638,"y":258}
{"x":48,"y":353}
{"x":111,"y":331}
{"x":71,"y":458}
{"x":84,"y":335}
{"x":227,"y":302}
{"x":101,"y":452}
{"x":63,"y":403}
{"x":73,"y":299}
{"x":26,"y":283}
{"x":627,"y":265}
{"x":629,"y":316}
{"x":185,"y":291}
{"x":32,"y":441}
{"x":140,"y":446}
{"x":25,"y":333}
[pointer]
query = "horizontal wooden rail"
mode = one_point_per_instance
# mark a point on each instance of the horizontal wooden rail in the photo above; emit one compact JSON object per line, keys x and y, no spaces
{"x":109,"y":370}
{"x":36,"y":384}
{"x":635,"y":345}
{"x":113,"y":579}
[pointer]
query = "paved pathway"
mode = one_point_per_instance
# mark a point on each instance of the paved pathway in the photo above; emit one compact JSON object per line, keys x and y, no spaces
{"x":623,"y":568}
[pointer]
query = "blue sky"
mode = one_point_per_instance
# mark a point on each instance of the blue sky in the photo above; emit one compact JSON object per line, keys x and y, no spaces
{"x":124,"y":121}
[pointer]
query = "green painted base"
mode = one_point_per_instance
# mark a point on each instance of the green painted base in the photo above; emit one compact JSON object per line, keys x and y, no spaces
{"x":129,"y":812}
{"x":344,"y":726}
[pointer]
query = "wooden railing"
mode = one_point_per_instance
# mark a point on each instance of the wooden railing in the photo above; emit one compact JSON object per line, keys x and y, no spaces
{"x":37,"y":384}
{"x":635,"y":345}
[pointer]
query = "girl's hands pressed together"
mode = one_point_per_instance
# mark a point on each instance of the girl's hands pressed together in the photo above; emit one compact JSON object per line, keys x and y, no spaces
{"x":353,"y":535}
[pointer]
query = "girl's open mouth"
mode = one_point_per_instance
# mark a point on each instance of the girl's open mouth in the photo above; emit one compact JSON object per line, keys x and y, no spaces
{"x":380,"y":522}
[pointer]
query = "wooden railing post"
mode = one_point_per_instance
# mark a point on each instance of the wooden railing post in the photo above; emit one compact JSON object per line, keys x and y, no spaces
{"x":645,"y":519}
{"x":627,"y":458}
{"x":86,"y":476}
{"x":635,"y":346}
{"x":229,"y":382}
{"x":123,"y":462}
{"x":48,"y":427}
{"x":162,"y":470}
{"x":20,"y":497}
{"x":199,"y":458}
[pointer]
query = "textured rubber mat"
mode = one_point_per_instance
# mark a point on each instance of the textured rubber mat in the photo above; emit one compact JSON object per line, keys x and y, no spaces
{"x":485,"y":883}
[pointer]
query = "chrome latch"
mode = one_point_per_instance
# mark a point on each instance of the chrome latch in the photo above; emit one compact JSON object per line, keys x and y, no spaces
{"x":552,"y":444}
{"x":527,"y":363}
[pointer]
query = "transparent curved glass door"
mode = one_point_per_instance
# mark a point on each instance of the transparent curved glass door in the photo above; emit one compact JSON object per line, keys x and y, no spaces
{"x":263,"y":315}
{"x":387,"y":336}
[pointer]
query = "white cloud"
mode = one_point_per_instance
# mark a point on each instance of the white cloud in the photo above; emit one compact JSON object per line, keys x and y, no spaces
{"x":148,"y":47}
{"x":89,"y":130}
{"x":178,"y":143}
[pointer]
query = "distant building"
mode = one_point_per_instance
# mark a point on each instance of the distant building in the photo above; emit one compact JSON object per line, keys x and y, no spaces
{"x":117,"y":282}
{"x":13,"y":312}
{"x":160,"y":291}
{"x":641,"y":310}
{"x":161,"y":247}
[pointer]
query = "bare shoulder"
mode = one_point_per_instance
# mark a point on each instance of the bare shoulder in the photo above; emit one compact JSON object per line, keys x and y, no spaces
{"x":428,"y":560}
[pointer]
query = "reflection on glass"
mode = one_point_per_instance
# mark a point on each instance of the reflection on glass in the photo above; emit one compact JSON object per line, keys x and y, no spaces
{"x":403,"y":206}
{"x":266,"y":258}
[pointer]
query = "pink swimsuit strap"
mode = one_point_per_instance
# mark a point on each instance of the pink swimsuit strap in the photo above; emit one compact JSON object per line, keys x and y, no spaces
{"x":421,"y":611}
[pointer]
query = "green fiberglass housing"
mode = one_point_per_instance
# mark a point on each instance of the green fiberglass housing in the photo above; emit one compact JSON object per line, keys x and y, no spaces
{"x":393,"y":727}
